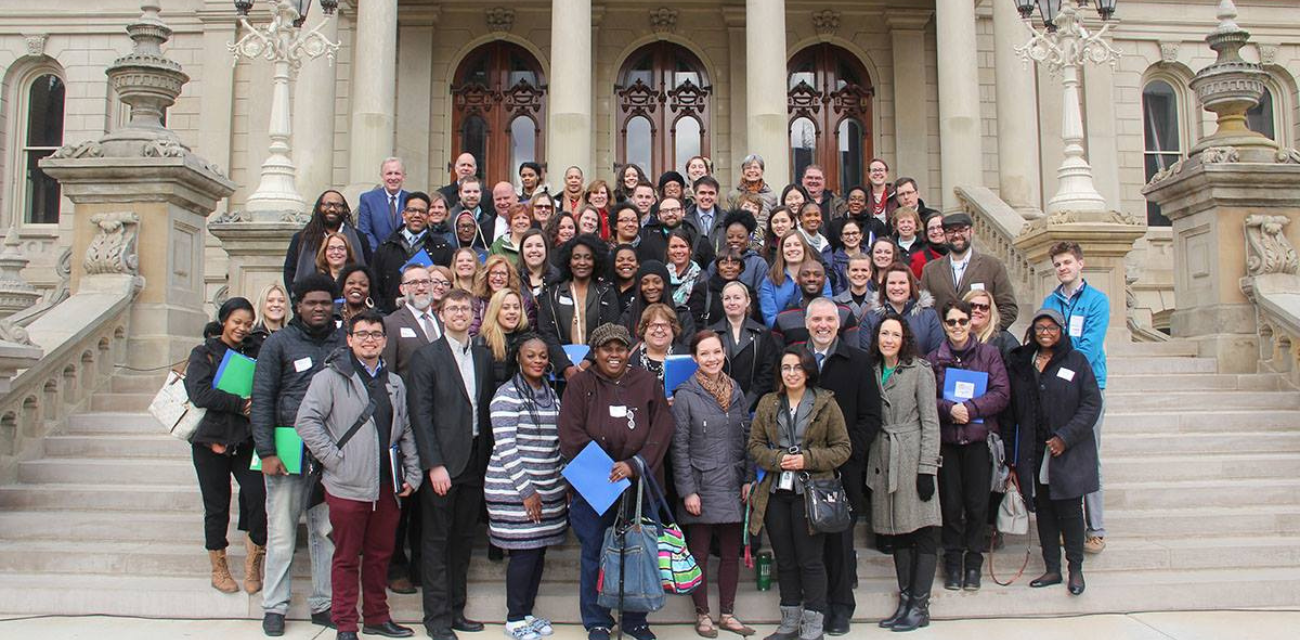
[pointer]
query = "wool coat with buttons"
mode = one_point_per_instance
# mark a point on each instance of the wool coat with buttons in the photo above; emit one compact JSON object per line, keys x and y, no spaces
{"x":908,"y":445}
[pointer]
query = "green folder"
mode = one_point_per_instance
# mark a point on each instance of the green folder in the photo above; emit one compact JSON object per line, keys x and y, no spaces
{"x":289,"y":448}
{"x":235,"y":374}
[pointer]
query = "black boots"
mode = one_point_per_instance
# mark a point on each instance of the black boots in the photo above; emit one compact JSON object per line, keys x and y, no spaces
{"x":917,"y":614}
{"x":952,"y":570}
{"x":903,"y":561}
{"x":1076,"y":584}
{"x":973,"y":565}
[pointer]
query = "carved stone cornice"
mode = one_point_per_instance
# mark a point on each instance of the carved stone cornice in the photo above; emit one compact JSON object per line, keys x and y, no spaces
{"x":113,"y":249}
{"x":663,"y":20}
{"x":826,"y":23}
{"x":500,"y":19}
{"x":1267,"y":249}
{"x":36,"y":44}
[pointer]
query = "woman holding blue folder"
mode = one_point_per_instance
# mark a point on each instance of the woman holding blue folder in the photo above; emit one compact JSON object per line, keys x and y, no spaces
{"x":223,"y":444}
{"x":972,"y":390}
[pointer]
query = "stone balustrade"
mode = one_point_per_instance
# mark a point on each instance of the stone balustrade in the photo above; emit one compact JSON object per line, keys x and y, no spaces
{"x":996,"y":226}
{"x":1272,"y":283}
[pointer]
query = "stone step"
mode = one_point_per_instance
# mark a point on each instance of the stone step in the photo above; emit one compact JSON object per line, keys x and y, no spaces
{"x":141,"y":471}
{"x":1196,"y":494}
{"x":136,"y":383}
{"x":1130,"y":467}
{"x":115,"y":422}
{"x":1210,"y":444}
{"x":121,"y":401}
{"x":1194,"y":382}
{"x":145,"y":499}
{"x":116,"y":446}
{"x":1186,"y":402}
{"x":1254,"y":520}
{"x":1126,"y":365}
{"x":192,"y":597}
{"x":1172,"y":348}
{"x":1212,"y":421}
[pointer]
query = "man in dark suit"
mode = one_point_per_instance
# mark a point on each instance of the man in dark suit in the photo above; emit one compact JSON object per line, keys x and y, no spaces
{"x":380,"y":213}
{"x":464,"y":167}
{"x":453,"y":431}
{"x":846,"y":372}
{"x":402,"y":246}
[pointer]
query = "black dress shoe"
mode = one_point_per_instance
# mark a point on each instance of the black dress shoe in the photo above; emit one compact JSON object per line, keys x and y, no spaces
{"x":952,"y":579}
{"x":346,"y":635}
{"x":441,"y":634}
{"x":1046,"y":580}
{"x":972,"y":581}
{"x":273,"y":624}
{"x":836,"y":624}
{"x":324,"y":618}
{"x":390,"y":629}
{"x":1076,"y":584}
{"x":401,"y":585}
{"x":461,"y":623}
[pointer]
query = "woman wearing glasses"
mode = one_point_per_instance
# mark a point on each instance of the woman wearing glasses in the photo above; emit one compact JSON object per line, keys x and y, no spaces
{"x":967,"y":415}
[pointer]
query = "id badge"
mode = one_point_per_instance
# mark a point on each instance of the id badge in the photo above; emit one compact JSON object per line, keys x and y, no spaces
{"x":786,"y":482}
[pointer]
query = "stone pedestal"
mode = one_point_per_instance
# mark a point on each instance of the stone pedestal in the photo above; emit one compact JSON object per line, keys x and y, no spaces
{"x":1106,"y":239}
{"x":144,"y":216}
{"x":1208,"y":198}
{"x":256,"y":252}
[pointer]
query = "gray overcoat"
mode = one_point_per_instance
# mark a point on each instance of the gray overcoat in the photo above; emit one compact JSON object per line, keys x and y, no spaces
{"x":908,"y":444}
{"x":709,"y":452}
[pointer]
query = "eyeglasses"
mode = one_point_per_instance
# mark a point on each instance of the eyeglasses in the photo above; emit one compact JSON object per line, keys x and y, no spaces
{"x":455,"y":309}
{"x":423,"y":212}
{"x":956,"y":230}
{"x":851,"y":234}
{"x":659,"y":326}
{"x":671,"y":209}
{"x":957,"y":322}
{"x":336,"y":249}
{"x":368,"y":335}
{"x":337,"y":206}
{"x":975,"y":306}
{"x":543,"y":206}
{"x":1043,"y":330}
{"x":440,"y":283}
{"x":417,"y":283}
{"x":791,"y":368}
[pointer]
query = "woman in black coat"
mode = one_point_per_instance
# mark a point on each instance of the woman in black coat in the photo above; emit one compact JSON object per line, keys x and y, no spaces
{"x":222,"y":447}
{"x":749,"y":346}
{"x":1056,"y":401}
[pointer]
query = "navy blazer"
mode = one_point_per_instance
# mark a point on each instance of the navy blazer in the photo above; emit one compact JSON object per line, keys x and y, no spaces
{"x":373,"y":218}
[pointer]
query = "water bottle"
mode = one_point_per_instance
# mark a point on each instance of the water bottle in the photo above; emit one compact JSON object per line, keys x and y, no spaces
{"x":764,"y":570}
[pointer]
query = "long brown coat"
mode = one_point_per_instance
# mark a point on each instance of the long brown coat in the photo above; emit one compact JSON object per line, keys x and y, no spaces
{"x":908,"y":444}
{"x":826,"y":446}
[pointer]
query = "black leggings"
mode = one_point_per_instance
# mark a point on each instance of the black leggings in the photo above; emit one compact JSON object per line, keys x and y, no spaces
{"x":214,"y":471}
{"x":1059,"y":519}
{"x":523,"y":579}
{"x":800,"y":569}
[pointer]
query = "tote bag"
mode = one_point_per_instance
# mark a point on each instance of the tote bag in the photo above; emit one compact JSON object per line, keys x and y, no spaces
{"x":172,"y":407}
{"x":678,"y":569}
{"x":629,"y":563}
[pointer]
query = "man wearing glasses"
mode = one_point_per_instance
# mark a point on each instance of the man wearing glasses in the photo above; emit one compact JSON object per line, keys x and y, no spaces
{"x":412,"y":243}
{"x":654,"y":235}
{"x":451,"y":388}
{"x":964,"y":269}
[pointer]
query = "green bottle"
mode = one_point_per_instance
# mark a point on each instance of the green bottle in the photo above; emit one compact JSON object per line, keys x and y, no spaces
{"x":764,"y":571}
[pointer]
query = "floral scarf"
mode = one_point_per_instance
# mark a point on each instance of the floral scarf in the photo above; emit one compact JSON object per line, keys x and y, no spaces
{"x":719,"y":387}
{"x":683,"y":285}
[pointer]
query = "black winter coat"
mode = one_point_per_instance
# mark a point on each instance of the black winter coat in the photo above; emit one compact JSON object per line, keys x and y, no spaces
{"x":285,"y":366}
{"x":224,"y":423}
{"x":555,"y":310}
{"x":754,"y":364}
{"x":1064,"y":401}
{"x":395,"y":252}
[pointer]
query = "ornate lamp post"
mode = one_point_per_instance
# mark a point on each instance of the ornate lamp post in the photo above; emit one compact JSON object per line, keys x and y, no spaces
{"x":1065,"y":45}
{"x":286,"y":45}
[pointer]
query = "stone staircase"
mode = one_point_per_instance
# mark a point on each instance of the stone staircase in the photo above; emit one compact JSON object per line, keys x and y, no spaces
{"x":1202,"y":485}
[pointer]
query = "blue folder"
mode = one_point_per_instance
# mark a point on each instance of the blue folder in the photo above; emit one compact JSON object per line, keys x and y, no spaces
{"x":677,"y":369}
{"x":588,"y":473}
{"x":576,"y":352}
{"x":422,"y":258}
{"x":973,"y":384}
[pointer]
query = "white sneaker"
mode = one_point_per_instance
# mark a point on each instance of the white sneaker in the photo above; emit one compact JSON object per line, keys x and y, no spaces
{"x":521,"y":630}
{"x":540,"y":626}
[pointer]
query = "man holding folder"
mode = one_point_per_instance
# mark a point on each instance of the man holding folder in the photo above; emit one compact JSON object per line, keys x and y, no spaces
{"x":288,"y":361}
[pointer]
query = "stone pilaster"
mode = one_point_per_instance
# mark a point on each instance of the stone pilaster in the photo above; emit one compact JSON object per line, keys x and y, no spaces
{"x":911,"y":105}
{"x":1019,"y":171}
{"x":960,"y":141}
{"x":569,"y":119}
{"x":374,"y":93}
{"x":765,"y":86}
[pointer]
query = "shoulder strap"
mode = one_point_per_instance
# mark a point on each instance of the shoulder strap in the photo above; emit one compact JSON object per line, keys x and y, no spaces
{"x":356,"y":426}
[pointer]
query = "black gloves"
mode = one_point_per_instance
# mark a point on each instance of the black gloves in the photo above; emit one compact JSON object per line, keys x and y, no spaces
{"x":925,"y":486}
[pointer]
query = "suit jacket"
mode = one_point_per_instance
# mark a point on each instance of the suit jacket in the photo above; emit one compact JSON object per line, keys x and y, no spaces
{"x":441,"y":413}
{"x":405,"y":337}
{"x":374,"y":220}
{"x":555,"y":316}
{"x":982,"y":272}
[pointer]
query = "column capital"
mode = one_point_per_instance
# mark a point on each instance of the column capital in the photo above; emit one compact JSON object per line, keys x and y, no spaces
{"x":597,"y":14}
{"x":914,"y":20}
{"x":733,"y":16}
{"x":419,"y":15}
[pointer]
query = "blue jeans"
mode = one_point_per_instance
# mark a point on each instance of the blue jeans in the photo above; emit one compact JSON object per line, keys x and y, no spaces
{"x":287,"y":498}
{"x":1092,"y":503}
{"x":590,"y":528}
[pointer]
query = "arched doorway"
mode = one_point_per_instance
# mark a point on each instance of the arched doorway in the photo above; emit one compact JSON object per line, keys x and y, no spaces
{"x":829,"y":104}
{"x":663,"y":108}
{"x":498,"y":109}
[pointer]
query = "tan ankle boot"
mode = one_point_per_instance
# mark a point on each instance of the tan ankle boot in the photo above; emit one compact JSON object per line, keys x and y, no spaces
{"x":221,"y":580}
{"x":253,"y":566}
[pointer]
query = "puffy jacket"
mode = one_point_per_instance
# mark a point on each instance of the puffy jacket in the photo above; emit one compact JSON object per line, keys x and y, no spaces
{"x":285,"y":366}
{"x":978,"y":357}
{"x":334,"y":400}
{"x":224,"y":423}
{"x":922,"y":319}
{"x":1093,"y":307}
{"x":709,"y":456}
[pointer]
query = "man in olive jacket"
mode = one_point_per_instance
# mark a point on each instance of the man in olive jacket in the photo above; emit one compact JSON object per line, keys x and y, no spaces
{"x":964,"y":269}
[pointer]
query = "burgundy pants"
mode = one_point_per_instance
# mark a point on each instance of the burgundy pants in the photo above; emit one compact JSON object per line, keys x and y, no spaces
{"x":699,"y":538}
{"x":364,"y":533}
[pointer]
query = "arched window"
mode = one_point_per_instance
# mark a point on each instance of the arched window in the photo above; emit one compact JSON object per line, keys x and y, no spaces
{"x":1162,"y":132}
{"x":498,"y":107}
{"x":39,"y":134}
{"x":663,"y":108}
{"x":1261,"y":118}
{"x":829,"y":103}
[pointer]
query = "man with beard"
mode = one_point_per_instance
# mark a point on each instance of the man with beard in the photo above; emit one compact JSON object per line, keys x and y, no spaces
{"x":654,"y":235}
{"x":791,"y":325}
{"x":842,"y":371}
{"x":329,"y":215}
{"x":964,"y":269}
{"x":380,"y":211}
{"x":571,"y":199}
{"x":403,"y":246}
{"x":465,"y":167}
{"x":285,"y":366}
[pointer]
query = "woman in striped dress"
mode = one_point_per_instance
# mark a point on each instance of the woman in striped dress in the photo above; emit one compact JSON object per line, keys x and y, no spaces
{"x":525,"y":494}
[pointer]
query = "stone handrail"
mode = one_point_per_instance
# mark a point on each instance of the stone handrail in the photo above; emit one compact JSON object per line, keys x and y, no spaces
{"x":1273,"y":284}
{"x":73,"y":350}
{"x":996,"y":225}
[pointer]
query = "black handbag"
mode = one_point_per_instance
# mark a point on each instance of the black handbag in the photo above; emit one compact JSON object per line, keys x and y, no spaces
{"x":826,"y":504}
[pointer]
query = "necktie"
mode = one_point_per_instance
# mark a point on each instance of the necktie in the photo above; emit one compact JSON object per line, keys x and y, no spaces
{"x":821,"y":357}
{"x":429,"y":328}
{"x":392,"y":208}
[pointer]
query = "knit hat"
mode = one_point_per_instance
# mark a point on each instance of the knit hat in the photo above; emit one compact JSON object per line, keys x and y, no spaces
{"x":671,"y":176}
{"x":609,"y":332}
{"x":652,"y":268}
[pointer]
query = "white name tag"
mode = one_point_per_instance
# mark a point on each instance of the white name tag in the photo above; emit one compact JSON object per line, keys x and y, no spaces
{"x":964,"y":390}
{"x":617,"y":411}
{"x":301,"y":364}
{"x":1076,"y":326}
{"x":1065,"y":374}
{"x":977,"y":286}
{"x":406,"y":332}
{"x":566,"y":301}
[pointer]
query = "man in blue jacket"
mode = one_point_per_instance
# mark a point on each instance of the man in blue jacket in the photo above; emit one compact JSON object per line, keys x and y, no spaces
{"x":1087,"y":316}
{"x":380,"y":212}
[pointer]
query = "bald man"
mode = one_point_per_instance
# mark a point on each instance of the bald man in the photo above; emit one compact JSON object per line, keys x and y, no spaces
{"x":464,"y":167}
{"x":503,"y":197}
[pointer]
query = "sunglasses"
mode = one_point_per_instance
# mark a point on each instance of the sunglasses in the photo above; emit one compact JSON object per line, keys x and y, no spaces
{"x":957,"y":322}
{"x":975,"y":306}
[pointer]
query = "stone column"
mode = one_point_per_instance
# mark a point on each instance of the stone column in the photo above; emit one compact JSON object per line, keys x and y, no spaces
{"x":911,"y":108}
{"x":727,"y":169}
{"x":765,"y":79}
{"x":569,"y":121}
{"x":1018,"y":166}
{"x":374,"y":93}
{"x":313,"y":120}
{"x":1100,"y":126}
{"x":959,"y":98}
